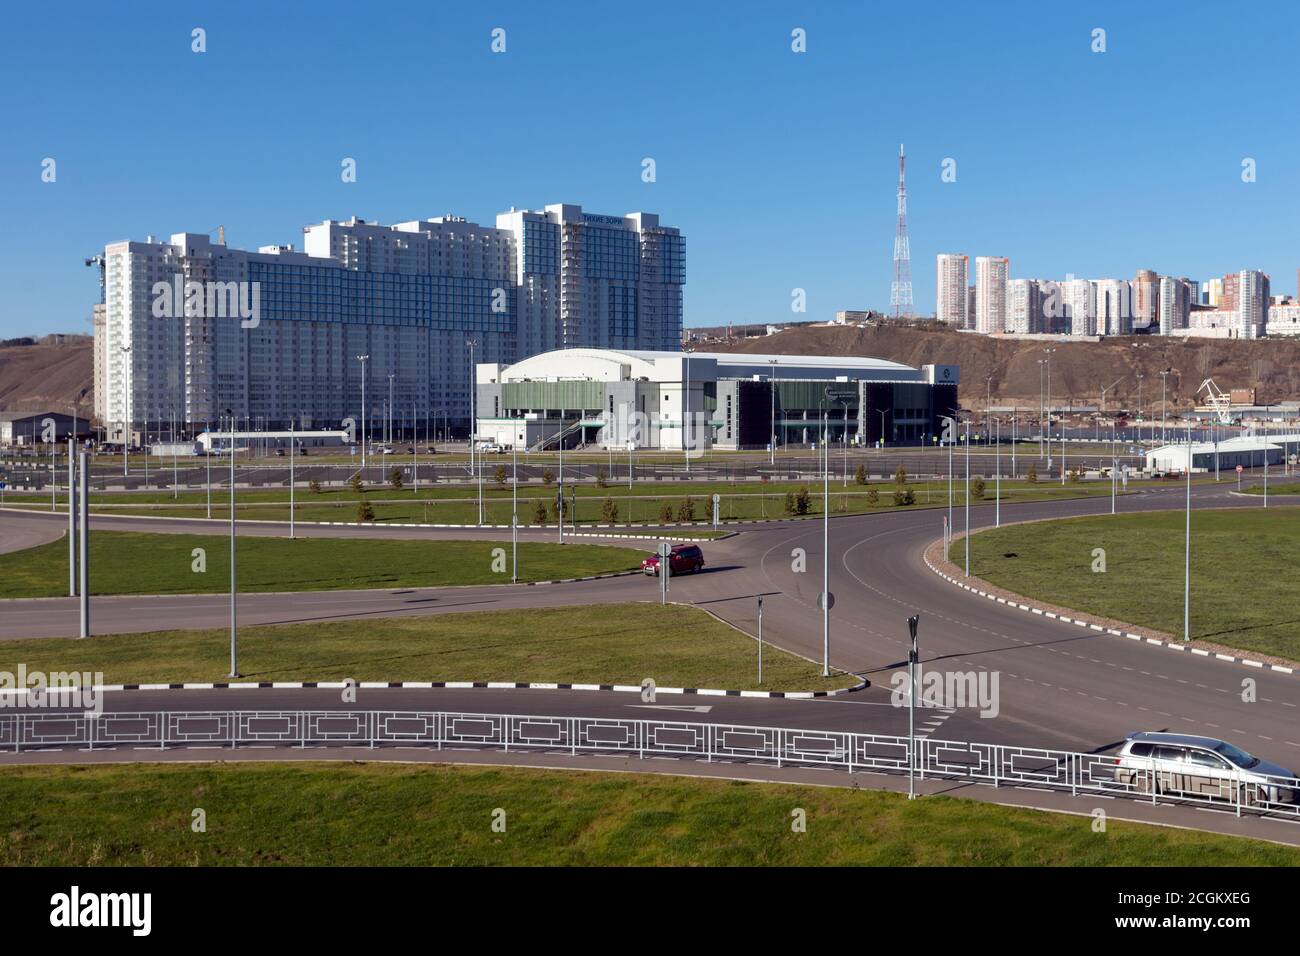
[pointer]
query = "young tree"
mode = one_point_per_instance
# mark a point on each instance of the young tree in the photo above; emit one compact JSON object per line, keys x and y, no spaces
{"x":873,"y":497}
{"x":900,"y":476}
{"x":365,"y":511}
{"x":548,"y":477}
{"x":686,"y":510}
{"x":860,"y":476}
{"x":609,"y":511}
{"x":600,"y":476}
{"x":977,"y":488}
{"x":395,"y":478}
{"x":1032,"y":475}
{"x":666,"y":513}
{"x":802,"y":500}
{"x":313,"y":486}
{"x":356,"y":483}
{"x":500,"y":476}
{"x":539,"y":512}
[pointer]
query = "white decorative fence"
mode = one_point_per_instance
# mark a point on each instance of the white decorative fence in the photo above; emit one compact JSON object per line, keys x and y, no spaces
{"x":995,"y":764}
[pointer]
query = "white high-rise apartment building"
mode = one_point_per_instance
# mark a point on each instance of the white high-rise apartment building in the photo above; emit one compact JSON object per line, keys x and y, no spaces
{"x":951,"y":298}
{"x":1114,"y":307}
{"x":410,"y":296}
{"x":1079,"y":306}
{"x":1252,"y":303}
{"x":1024,"y":306}
{"x":991,"y":274}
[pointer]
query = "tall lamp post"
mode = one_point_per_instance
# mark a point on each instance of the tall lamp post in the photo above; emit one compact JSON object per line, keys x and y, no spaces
{"x":826,"y":542}
{"x":771,"y":383}
{"x":364,"y":359}
{"x":1048,"y":403}
{"x":234,"y":657}
{"x":473,"y":426}
{"x":1187,"y":547}
{"x":126,"y":362}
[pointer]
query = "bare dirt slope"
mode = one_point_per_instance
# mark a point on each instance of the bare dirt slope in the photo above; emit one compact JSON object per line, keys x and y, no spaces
{"x":49,"y":377}
{"x":1079,"y":369}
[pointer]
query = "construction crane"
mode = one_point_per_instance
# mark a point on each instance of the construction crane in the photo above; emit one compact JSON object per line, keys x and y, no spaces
{"x":1217,"y":401}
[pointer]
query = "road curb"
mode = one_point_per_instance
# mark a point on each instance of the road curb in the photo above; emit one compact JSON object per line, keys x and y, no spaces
{"x":455,"y":685}
{"x":1094,"y":626}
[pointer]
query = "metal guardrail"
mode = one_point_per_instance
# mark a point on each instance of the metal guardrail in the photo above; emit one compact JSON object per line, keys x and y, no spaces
{"x":995,"y":764}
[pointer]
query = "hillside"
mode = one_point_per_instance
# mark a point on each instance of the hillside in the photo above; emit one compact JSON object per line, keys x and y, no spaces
{"x":52,"y":377}
{"x":1079,"y":369}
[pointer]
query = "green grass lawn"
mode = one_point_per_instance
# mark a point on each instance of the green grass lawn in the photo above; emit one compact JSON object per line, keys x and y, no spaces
{"x":1275,"y":487}
{"x":318,"y":814}
{"x":675,"y":645}
{"x":1243,"y":563}
{"x":128,"y":562}
{"x":645,"y":503}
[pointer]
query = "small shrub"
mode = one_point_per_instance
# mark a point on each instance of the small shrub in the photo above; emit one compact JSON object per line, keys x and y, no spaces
{"x":313,"y":486}
{"x":365,"y":511}
{"x":548,"y":477}
{"x":395,"y":478}
{"x":539,"y":513}
{"x":609,"y":511}
{"x":499,"y":476}
{"x":686,"y":510}
{"x":904,"y":496}
{"x":802,"y":500}
{"x":977,"y":488}
{"x":666,"y":513}
{"x":601,"y":476}
{"x":1032,"y":475}
{"x":873,"y":497}
{"x":860,"y":476}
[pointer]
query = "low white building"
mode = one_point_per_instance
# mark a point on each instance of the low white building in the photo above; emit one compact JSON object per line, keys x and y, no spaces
{"x":1247,"y":452}
{"x":270,"y":441}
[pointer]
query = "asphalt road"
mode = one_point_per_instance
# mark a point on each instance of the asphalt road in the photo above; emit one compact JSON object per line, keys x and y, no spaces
{"x":1060,"y":686}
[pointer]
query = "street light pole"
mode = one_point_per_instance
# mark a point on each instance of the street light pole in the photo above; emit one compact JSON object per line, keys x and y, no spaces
{"x":514,"y":511}
{"x":997,"y":492}
{"x":364,"y":419}
{"x":473,"y":427}
{"x":826,"y":547}
{"x":771,"y":451}
{"x":126,"y":424}
{"x":291,"y":444}
{"x":968,"y":497}
{"x":1187,"y":547}
{"x":234,"y":665}
{"x":913,"y":658}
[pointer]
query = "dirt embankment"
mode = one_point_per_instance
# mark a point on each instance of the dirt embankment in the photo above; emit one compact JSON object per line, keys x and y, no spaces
{"x":1079,"y":369}
{"x":53,"y":377}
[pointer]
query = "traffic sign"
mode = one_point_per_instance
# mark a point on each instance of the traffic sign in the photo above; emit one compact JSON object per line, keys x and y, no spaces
{"x":1240,"y":469}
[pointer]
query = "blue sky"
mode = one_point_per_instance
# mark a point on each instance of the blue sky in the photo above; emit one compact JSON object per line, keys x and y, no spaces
{"x":779,"y":168}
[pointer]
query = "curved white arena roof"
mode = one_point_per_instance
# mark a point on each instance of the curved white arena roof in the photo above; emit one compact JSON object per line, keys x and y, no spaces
{"x":587,"y":364}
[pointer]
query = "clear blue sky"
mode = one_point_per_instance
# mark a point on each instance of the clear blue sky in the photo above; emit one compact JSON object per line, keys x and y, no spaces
{"x":779,"y":168}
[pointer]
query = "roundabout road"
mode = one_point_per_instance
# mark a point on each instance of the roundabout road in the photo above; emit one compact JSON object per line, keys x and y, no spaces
{"x":1059,"y":685}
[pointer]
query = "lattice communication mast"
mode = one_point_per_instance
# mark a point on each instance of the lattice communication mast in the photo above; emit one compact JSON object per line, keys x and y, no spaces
{"x":900,"y":290}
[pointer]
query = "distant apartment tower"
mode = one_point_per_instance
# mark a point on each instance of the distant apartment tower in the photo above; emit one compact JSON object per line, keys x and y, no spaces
{"x":1213,"y":293}
{"x":1079,"y":306}
{"x":1146,"y":296}
{"x":1024,"y":306}
{"x":412,"y":297}
{"x":1174,"y":304}
{"x":1252,"y":303}
{"x":991,"y":274}
{"x":1114,"y":307}
{"x":953,"y":276}
{"x":970,"y":308}
{"x":1228,"y":297}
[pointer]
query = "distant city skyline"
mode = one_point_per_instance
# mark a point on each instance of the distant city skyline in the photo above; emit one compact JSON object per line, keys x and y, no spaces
{"x":776,"y":163}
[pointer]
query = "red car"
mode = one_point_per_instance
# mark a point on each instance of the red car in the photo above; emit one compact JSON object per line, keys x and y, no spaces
{"x":683,"y":559}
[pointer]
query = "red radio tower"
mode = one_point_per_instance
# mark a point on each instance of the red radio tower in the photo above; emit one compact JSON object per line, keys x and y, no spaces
{"x":900,"y":290}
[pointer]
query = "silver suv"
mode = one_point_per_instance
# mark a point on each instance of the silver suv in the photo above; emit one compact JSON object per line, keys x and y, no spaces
{"x":1182,"y":764}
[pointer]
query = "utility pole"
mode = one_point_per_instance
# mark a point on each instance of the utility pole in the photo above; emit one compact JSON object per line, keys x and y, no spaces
{"x":514,"y":511}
